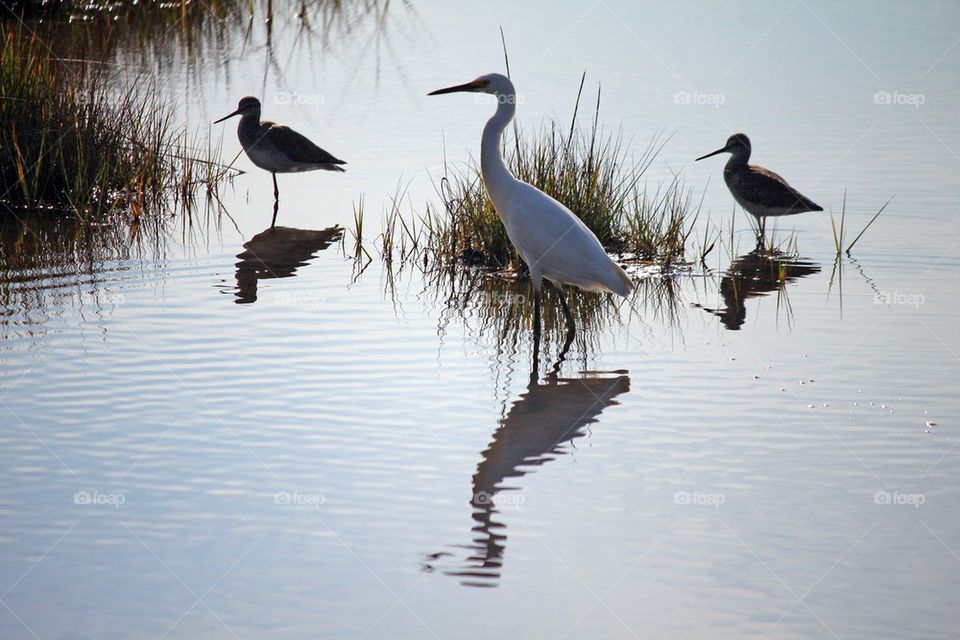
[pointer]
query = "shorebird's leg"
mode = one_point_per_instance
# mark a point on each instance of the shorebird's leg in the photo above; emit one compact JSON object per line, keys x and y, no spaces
{"x":276,"y":207}
{"x":571,"y":325}
{"x":276,"y":190}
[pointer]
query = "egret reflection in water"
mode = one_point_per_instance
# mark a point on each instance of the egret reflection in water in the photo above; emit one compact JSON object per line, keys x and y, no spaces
{"x":277,"y":253}
{"x":537,"y":428}
{"x":756,"y":274}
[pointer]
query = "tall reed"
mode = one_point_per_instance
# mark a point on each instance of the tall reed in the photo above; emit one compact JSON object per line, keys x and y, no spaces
{"x":75,"y":138}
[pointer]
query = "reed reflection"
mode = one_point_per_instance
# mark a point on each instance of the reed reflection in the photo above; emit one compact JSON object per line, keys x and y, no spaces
{"x":50,"y":262}
{"x":197,"y":38}
{"x":277,"y":253}
{"x":497,"y":308}
{"x":756,"y":274}
{"x":538,"y":428}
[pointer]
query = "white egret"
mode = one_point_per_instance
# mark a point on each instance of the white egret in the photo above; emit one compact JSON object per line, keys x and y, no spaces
{"x":554,"y":243}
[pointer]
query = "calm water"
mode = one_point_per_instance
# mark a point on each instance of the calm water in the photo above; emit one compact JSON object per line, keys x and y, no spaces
{"x":191,"y":448}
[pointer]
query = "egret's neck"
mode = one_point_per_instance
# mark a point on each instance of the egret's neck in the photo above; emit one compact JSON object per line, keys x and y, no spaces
{"x":491,"y":160}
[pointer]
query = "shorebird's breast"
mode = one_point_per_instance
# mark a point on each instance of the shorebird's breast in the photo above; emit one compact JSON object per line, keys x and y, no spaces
{"x":259,"y":147}
{"x":738,"y":189}
{"x":268,"y":159}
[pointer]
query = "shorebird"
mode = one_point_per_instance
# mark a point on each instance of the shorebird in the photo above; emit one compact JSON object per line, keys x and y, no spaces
{"x":761,"y":192}
{"x":277,"y":148}
{"x":554,"y":243}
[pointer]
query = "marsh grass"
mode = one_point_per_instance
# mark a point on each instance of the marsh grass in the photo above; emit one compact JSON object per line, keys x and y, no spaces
{"x":840,"y":229}
{"x":77,"y":139}
{"x":843,"y":250}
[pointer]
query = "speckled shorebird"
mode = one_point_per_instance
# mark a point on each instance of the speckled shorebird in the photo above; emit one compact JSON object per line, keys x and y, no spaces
{"x":277,"y":148}
{"x":760,"y":191}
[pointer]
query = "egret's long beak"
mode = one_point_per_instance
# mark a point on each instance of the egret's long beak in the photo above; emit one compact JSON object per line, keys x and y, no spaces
{"x":235,"y":113}
{"x":469,"y":86}
{"x":713,"y":153}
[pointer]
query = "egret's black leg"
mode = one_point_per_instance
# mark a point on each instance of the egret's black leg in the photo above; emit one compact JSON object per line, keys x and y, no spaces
{"x":536,"y":314}
{"x":534,"y":372}
{"x":567,"y":342}
{"x":571,"y":333}
{"x":571,"y":325}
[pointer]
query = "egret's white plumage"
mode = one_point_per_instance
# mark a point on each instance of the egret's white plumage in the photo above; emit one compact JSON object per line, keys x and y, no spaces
{"x":554,"y":243}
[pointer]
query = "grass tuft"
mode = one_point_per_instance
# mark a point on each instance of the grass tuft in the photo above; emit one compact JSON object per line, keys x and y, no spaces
{"x":840,"y":231}
{"x":78,"y":140}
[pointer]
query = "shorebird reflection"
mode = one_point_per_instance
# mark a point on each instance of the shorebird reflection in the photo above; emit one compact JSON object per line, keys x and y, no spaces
{"x":540,"y":424}
{"x":277,"y":253}
{"x":753,"y":275}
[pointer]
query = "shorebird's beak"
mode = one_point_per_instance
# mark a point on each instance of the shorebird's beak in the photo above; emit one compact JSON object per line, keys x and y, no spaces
{"x":713,"y":153}
{"x":235,"y":113}
{"x":475,"y":85}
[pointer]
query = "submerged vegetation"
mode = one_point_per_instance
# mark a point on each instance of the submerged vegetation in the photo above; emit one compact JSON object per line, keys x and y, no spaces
{"x":77,"y":139}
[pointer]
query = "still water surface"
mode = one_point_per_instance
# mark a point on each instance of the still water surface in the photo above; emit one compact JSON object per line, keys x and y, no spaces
{"x":195,"y":445}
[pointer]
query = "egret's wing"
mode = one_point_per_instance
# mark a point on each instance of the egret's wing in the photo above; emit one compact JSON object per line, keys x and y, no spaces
{"x":298,"y":147}
{"x":539,"y":226}
{"x":557,"y":244}
{"x":766,"y":187}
